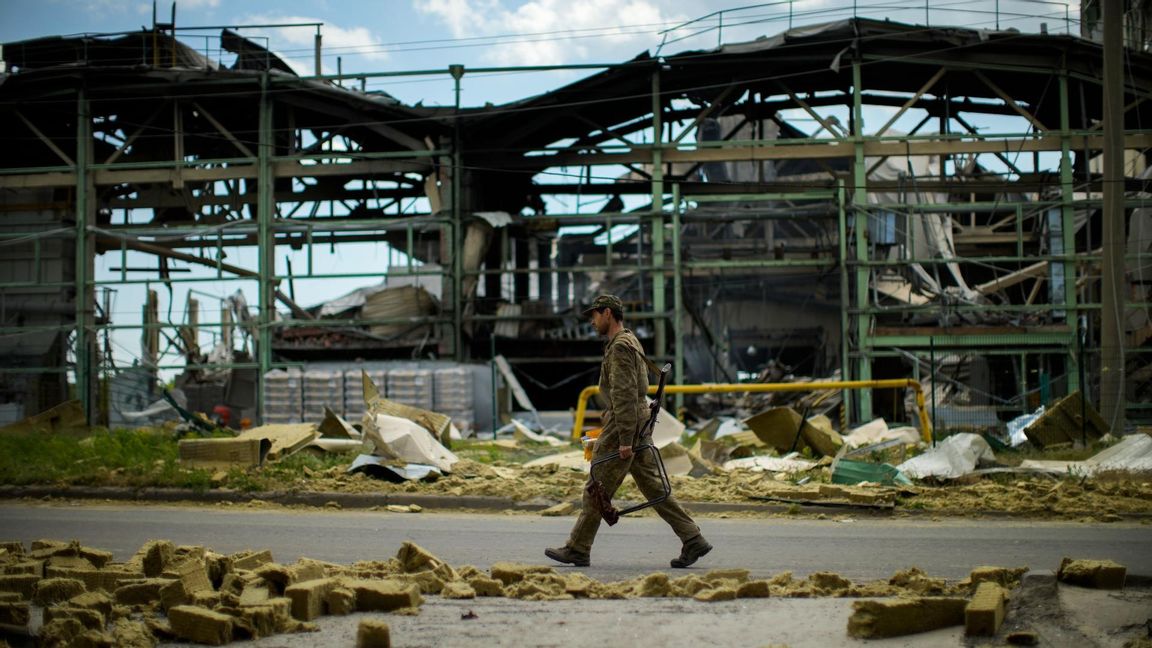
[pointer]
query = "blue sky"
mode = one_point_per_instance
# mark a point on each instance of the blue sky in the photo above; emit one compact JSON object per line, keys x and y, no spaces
{"x":392,"y":35}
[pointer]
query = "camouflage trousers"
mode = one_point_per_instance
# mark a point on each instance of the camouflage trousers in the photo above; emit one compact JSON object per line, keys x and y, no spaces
{"x":642,"y":467}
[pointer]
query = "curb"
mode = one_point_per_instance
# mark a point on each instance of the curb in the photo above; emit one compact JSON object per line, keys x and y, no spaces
{"x":362,"y":500}
{"x":466,"y":502}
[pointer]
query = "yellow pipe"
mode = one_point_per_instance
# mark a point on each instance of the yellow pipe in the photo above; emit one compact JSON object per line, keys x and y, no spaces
{"x":925,"y":425}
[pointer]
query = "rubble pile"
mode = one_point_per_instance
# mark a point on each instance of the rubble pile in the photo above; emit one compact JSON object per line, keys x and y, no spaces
{"x":190,"y":593}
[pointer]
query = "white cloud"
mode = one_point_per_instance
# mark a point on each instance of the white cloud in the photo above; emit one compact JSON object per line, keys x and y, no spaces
{"x":295,"y":44}
{"x":541,"y":32}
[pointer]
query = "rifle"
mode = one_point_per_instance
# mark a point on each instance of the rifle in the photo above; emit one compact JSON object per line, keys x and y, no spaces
{"x":596,"y":489}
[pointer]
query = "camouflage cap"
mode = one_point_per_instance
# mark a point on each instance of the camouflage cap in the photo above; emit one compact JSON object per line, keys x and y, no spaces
{"x":605,"y":301}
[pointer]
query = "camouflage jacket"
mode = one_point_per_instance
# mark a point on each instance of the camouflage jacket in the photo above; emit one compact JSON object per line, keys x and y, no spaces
{"x":623,"y":387}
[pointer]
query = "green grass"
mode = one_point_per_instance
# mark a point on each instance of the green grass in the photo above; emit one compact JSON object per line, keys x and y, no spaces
{"x":127,"y":457}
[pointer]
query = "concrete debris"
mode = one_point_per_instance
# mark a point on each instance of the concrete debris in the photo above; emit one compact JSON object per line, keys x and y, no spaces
{"x":916,"y":581}
{"x":754,"y":589}
{"x":510,"y":572}
{"x":539,"y":586}
{"x":340,"y":601}
{"x":55,"y":590}
{"x":373,"y":633}
{"x":1007,"y":577}
{"x":385,"y":596}
{"x":89,"y":618}
{"x":140,"y":592}
{"x":153,"y":557}
{"x":10,"y":597}
{"x":99,"y":601}
{"x":485,"y":586}
{"x":654,"y":585}
{"x":716,"y":594}
{"x":559,"y":510}
{"x":23,"y":584}
{"x":898,"y":617}
{"x":250,"y":560}
{"x":985,"y":612}
{"x":15,"y":614}
{"x":829,"y":582}
{"x":132,"y":634}
{"x":1097,"y":574}
{"x":458,"y":590}
{"x":200,"y":625}
{"x":60,"y":633}
{"x":308,"y":597}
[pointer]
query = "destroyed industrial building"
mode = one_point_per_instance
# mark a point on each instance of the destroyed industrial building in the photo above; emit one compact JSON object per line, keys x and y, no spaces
{"x":734,"y":197}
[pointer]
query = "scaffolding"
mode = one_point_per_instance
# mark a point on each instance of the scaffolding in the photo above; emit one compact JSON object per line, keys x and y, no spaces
{"x":964,"y":250}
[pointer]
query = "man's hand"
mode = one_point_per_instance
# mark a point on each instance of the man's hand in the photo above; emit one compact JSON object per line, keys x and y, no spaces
{"x":625,"y":452}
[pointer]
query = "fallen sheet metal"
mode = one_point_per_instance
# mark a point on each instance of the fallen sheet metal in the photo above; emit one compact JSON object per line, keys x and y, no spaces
{"x":390,"y":470}
{"x":404,"y":440}
{"x":224,"y":453}
{"x":955,"y":456}
{"x":668,"y":429}
{"x":1132,"y":454}
{"x":521,"y":432}
{"x":436,"y":423}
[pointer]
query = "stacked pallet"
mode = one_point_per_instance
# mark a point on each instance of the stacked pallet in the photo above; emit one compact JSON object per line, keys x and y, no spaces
{"x":453,"y":397}
{"x":411,"y":387}
{"x":323,"y":388}
{"x":283,"y":396}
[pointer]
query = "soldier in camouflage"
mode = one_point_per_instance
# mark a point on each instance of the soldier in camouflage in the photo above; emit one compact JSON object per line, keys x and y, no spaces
{"x":623,"y":386}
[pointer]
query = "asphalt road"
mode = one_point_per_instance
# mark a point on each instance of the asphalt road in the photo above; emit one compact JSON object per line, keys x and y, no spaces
{"x":857,"y":549}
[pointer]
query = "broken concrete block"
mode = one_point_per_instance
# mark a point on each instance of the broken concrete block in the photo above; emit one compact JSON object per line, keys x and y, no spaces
{"x":716,"y":594}
{"x":373,"y":633}
{"x":98,"y":557}
{"x":308,"y":597}
{"x":539,"y":587}
{"x":107,"y":579}
{"x":341,"y":601}
{"x":89,"y":618}
{"x":174,"y":594}
{"x":153,"y":557}
{"x":200,"y":625}
{"x":55,"y":590}
{"x":1097,"y":574}
{"x":509,"y":572}
{"x":307,"y":569}
{"x":10,"y":597}
{"x":26,"y":567}
{"x":458,"y":590}
{"x":428,"y":582}
{"x":688,"y":585}
{"x":60,"y":632}
{"x":485,"y":586}
{"x":20,"y":583}
{"x":69,"y":562}
{"x":254,"y":595}
{"x":1008,"y":577}
{"x":99,"y":601}
{"x":754,"y":589}
{"x":829,"y":582}
{"x":17,"y":614}
{"x":915,"y":580}
{"x":580,"y":585}
{"x":250,"y":560}
{"x":653,"y":585}
{"x":414,"y":558}
{"x":192,"y":572}
{"x":94,"y":639}
{"x":13,"y":547}
{"x":132,"y":634}
{"x":897,"y":617}
{"x":738,"y":575}
{"x":140,"y":592}
{"x":985,"y":612}
{"x":384,"y":596}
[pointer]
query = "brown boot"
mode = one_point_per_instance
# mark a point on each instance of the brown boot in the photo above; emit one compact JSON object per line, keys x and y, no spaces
{"x":693,"y":550}
{"x":569,"y":555}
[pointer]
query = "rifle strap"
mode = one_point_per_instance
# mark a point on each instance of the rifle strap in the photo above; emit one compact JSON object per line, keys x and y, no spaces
{"x":651,"y":365}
